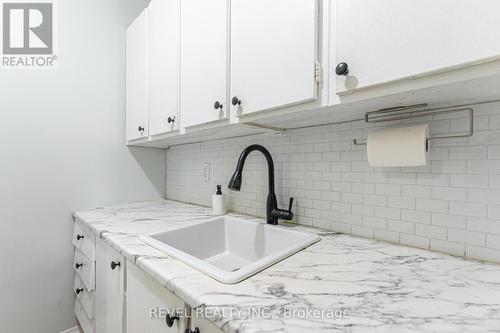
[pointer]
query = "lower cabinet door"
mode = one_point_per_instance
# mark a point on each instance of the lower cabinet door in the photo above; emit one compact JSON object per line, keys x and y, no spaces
{"x":109,"y":293}
{"x":203,"y":325}
{"x":150,"y":307}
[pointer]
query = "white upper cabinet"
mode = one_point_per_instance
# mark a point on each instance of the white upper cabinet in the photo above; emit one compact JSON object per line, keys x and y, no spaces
{"x":164,"y":65}
{"x":136,"y":78}
{"x":273,"y":53}
{"x":204,"y":64}
{"x":387,"y":40}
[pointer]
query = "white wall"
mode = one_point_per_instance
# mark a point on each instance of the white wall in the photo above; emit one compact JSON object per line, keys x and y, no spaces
{"x":452,"y":205}
{"x":62,"y":148}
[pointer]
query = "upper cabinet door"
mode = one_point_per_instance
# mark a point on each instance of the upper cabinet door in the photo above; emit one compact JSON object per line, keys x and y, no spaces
{"x":137,"y":69}
{"x":386,"y":40}
{"x":273,"y":53}
{"x":164,"y":65}
{"x":204,"y":61}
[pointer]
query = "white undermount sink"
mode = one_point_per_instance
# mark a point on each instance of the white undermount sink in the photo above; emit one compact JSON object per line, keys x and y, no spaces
{"x":230,"y":249}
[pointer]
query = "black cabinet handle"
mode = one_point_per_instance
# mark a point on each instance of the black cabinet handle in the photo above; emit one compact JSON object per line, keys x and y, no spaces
{"x":78,"y":265}
{"x":78,"y":290}
{"x":218,"y":105}
{"x":236,"y":101}
{"x":170,"y":319}
{"x":170,"y":120}
{"x":342,"y":69}
{"x":115,"y":264}
{"x":78,"y":237}
{"x":140,"y":129}
{"x":188,"y":330}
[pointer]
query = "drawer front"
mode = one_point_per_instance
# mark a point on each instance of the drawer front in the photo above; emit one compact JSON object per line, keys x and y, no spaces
{"x":84,"y":240}
{"x":86,"y":323}
{"x":85,"y":269}
{"x":84,"y":297}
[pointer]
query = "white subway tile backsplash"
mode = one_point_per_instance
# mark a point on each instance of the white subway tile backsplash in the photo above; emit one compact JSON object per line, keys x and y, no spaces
{"x":467,"y":237}
{"x":449,"y":221}
{"x":431,"y":205}
{"x":401,"y":226}
{"x":401,"y":202}
{"x":449,"y":166}
{"x":482,"y":253}
{"x":388,"y":236}
{"x":448,"y":193}
{"x":485,"y":225}
{"x":414,"y":240}
{"x":494,"y":212}
{"x":388,"y":189}
{"x":469,"y":153}
{"x":417,"y":191}
{"x":484,"y":167}
{"x":470,"y":181}
{"x":386,"y":212}
{"x":451,"y":205}
{"x":493,"y":241}
{"x":486,"y":196}
{"x":439,"y":245}
{"x":374,"y":222}
{"x":468,"y":209}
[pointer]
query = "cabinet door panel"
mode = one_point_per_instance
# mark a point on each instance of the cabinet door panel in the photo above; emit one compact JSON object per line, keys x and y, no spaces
{"x":164,"y":52}
{"x":387,"y":40}
{"x":204,"y":325}
{"x":203,"y":60}
{"x":148,"y":303}
{"x":136,"y":80}
{"x":109,"y":291}
{"x":273,"y":52}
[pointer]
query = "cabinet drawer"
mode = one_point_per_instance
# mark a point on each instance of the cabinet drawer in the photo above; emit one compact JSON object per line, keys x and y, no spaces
{"x":85,"y":297}
{"x":86,"y":323}
{"x":84,"y":240}
{"x":85,"y":269}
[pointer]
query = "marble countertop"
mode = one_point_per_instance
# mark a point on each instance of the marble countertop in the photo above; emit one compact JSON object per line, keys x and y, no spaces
{"x":340,"y":284}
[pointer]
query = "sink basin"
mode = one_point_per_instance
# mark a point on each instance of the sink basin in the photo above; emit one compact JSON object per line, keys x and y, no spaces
{"x":230,"y":249}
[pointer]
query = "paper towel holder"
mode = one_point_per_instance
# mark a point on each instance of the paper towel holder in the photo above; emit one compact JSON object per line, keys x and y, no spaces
{"x":409,"y":112}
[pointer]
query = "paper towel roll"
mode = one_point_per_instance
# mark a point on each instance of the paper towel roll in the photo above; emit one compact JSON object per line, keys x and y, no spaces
{"x":398,"y":147}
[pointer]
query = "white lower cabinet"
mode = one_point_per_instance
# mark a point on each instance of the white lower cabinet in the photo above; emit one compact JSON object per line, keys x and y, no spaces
{"x":150,"y":307}
{"x":203,"y":325}
{"x":110,"y":284}
{"x":113,"y":295}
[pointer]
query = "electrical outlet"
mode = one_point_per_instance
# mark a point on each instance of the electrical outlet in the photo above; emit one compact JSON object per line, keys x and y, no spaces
{"x":206,"y":171}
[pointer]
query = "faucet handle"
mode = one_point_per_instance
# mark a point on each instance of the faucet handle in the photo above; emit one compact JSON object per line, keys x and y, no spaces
{"x":290,"y":205}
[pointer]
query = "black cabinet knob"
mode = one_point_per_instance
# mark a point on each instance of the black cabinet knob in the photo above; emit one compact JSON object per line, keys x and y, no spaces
{"x":342,"y":69}
{"x":188,"y":330}
{"x":140,"y":129}
{"x":170,"y":319}
{"x":78,"y":237}
{"x":236,"y":101}
{"x":170,"y":120}
{"x":115,"y":264}
{"x":218,"y":105}
{"x":78,"y":265}
{"x":78,"y":290}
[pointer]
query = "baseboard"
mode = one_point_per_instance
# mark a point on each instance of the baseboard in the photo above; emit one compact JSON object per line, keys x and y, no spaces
{"x":75,"y":329}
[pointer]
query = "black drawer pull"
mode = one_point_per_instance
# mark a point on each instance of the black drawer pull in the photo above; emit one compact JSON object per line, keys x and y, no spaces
{"x":78,"y":290}
{"x":78,"y":265}
{"x":115,"y":264}
{"x":78,"y":237}
{"x":170,"y":319}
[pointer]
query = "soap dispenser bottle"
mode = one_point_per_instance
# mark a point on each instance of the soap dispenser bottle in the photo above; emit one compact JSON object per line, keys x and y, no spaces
{"x":218,"y":206}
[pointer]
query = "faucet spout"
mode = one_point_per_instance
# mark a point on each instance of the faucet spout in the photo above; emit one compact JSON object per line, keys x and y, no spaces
{"x":273,"y":213}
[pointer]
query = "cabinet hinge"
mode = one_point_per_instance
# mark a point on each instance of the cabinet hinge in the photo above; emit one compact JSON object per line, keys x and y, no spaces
{"x":317,"y":71}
